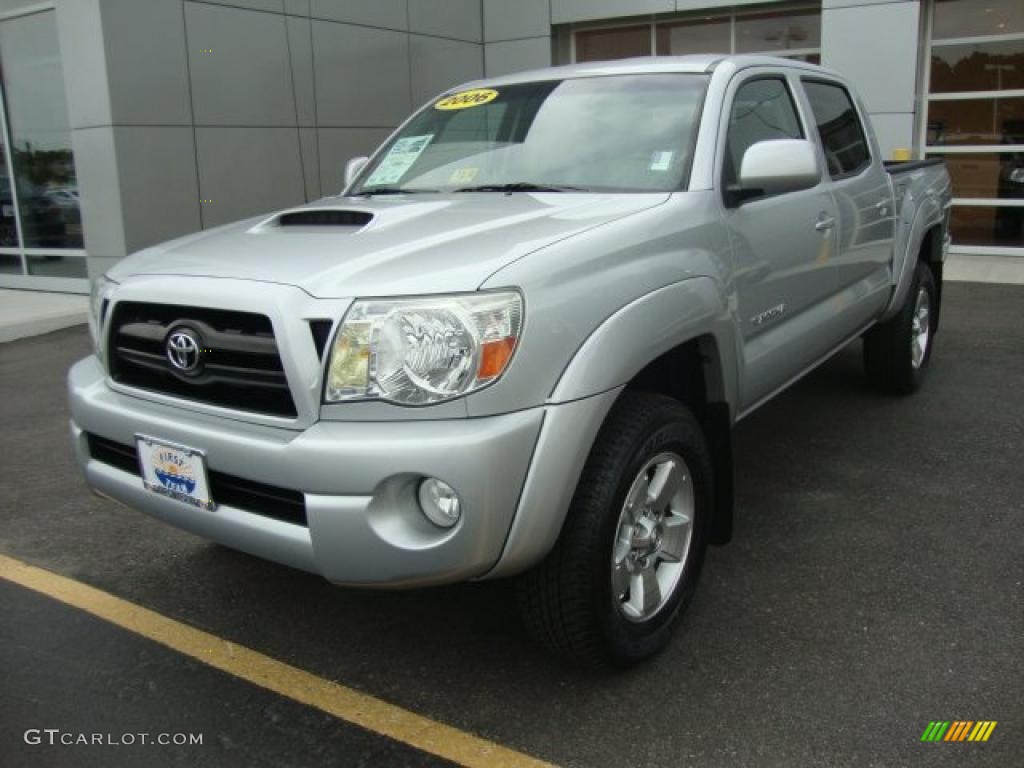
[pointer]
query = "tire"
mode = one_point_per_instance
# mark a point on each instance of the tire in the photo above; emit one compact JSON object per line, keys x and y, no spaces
{"x":897,"y":352}
{"x":568,"y":601}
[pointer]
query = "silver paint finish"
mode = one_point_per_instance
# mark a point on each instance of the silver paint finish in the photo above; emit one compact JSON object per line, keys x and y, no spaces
{"x":780,"y":166}
{"x":562,"y":448}
{"x":921,"y":198}
{"x":610,"y":282}
{"x":415,"y":244}
{"x":353,"y":167}
{"x":645,"y":329}
{"x":359,"y":480}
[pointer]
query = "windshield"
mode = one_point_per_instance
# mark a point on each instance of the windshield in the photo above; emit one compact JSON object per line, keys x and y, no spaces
{"x":623,"y":133}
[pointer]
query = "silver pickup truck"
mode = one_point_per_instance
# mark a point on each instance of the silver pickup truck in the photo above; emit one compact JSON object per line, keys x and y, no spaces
{"x":517,"y":343}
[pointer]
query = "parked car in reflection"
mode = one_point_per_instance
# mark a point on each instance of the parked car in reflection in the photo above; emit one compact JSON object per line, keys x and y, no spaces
{"x":63,"y":197}
{"x":50,"y":217}
{"x":1009,"y":227}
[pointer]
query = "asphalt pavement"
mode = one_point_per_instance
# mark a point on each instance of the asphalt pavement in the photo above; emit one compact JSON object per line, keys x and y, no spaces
{"x":874,"y":584}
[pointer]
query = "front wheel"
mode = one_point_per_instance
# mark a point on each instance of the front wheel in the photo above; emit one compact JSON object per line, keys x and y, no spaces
{"x":897,"y":352}
{"x":632,"y":545}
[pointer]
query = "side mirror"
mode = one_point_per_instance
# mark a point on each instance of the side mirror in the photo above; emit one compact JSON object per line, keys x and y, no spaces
{"x":774,"y":167}
{"x":352,"y":169}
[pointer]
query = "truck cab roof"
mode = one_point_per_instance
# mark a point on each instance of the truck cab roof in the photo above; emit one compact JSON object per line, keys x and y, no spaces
{"x":691,"y":64}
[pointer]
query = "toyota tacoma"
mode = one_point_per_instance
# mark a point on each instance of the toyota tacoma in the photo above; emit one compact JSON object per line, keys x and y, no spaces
{"x":516,"y":343}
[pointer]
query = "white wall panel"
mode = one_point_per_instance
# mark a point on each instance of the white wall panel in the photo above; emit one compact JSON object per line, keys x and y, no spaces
{"x":517,"y":55}
{"x":231,"y":85}
{"x":247,"y":171}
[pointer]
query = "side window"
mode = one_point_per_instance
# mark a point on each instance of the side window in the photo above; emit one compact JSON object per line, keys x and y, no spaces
{"x":842,"y":135}
{"x":761,"y":110}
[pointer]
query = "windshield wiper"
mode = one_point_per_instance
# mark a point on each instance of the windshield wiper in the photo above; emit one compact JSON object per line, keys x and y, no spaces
{"x":392,"y":191}
{"x":522,"y":186}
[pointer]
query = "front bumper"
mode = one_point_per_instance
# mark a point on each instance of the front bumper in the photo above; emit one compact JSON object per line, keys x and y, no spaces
{"x":359,"y":481}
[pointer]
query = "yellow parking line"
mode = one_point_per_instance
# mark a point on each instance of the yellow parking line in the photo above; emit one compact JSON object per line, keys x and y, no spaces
{"x":344,"y":703}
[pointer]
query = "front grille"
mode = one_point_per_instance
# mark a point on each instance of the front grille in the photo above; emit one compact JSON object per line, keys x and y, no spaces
{"x":248,"y":495}
{"x":237,"y":363}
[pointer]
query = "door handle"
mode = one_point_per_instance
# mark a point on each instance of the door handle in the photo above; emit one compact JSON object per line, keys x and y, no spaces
{"x":825,"y":222}
{"x":882,"y":206}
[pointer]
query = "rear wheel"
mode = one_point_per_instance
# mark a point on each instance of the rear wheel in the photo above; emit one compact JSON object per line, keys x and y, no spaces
{"x":630,"y":552}
{"x":897,"y":352}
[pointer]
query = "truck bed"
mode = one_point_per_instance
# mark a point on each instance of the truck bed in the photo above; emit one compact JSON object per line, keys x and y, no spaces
{"x":904,"y":166}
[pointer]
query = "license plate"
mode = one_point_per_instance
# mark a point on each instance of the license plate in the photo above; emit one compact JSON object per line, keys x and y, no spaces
{"x":174,"y":470}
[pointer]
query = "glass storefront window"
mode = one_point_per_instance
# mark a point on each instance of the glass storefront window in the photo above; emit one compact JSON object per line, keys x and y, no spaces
{"x":997,"y":176}
{"x":8,"y":224}
{"x":40,"y":212}
{"x":974,"y":18}
{"x":983,"y":66}
{"x":37,"y":121}
{"x":960,"y":122}
{"x":794,"y":32}
{"x":10,"y":264}
{"x":976,"y":225}
{"x":975,"y":118}
{"x":617,"y":43}
{"x":57,"y":265}
{"x":706,"y":35}
{"x":778,"y":32}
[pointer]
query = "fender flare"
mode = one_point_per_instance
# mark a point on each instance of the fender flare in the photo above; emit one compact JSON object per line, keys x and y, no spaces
{"x":647,"y":328}
{"x":929,"y":215}
{"x":590,"y":384}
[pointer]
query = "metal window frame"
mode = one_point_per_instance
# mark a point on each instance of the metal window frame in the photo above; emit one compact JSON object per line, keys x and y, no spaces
{"x":1006,"y":93}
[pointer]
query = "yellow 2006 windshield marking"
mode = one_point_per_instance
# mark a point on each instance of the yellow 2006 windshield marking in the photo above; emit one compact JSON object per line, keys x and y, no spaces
{"x":466,"y":99}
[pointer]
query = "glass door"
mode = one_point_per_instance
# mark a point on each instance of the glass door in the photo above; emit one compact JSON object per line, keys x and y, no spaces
{"x":975,"y":119}
{"x":41,"y":243}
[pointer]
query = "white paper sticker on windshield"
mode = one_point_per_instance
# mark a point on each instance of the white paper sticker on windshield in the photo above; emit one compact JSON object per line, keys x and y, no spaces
{"x":399,"y":159}
{"x":463,"y":175}
{"x":661,"y":161}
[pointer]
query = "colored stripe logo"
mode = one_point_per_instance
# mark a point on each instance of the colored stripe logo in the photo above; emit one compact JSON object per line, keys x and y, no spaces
{"x":958,"y":730}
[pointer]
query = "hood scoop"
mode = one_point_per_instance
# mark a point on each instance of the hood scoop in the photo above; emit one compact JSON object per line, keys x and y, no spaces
{"x":324,"y":217}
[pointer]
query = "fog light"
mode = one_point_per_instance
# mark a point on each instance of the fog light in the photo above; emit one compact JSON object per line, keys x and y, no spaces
{"x":439,"y":502}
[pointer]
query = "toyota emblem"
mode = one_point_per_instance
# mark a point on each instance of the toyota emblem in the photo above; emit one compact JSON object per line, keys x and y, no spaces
{"x":183,"y":351}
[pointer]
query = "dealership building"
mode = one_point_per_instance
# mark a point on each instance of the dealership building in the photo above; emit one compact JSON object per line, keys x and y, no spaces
{"x":129,"y":122}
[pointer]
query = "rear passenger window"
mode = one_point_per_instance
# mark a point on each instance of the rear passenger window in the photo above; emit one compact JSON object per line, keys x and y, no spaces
{"x":762,"y":110}
{"x":842,"y":135}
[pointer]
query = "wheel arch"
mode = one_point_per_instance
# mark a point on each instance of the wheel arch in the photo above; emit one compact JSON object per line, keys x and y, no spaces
{"x":924,"y":242}
{"x":686,"y":332}
{"x":691,"y":357}
{"x":687,"y":320}
{"x":692,"y":373}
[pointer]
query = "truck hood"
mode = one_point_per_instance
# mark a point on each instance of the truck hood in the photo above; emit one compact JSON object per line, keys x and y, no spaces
{"x":410,"y":244}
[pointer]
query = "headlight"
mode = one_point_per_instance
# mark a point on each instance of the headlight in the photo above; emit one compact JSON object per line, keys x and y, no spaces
{"x":102,"y":287}
{"x":424,"y":350}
